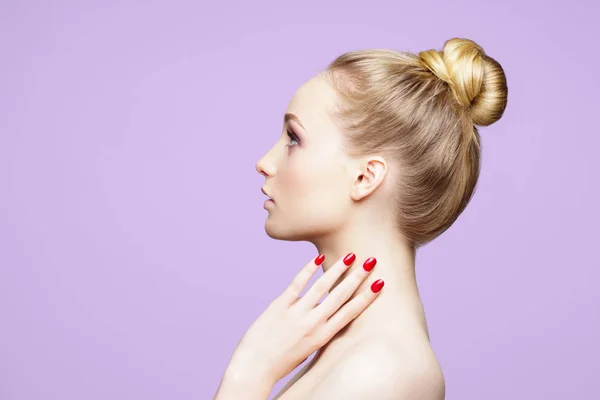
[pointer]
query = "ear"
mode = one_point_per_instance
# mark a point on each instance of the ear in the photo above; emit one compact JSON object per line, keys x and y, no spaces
{"x":369,"y":176}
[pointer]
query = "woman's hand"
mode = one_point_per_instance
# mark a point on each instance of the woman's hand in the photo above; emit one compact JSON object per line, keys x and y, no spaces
{"x":293,"y":327}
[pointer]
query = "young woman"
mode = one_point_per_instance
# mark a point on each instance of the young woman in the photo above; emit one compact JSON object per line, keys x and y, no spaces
{"x":379,"y":154}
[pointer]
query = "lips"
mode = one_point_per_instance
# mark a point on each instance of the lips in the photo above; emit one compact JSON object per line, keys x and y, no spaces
{"x":265,"y":193}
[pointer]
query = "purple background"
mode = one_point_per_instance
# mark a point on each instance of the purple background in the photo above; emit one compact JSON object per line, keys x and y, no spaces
{"x":132,"y":248}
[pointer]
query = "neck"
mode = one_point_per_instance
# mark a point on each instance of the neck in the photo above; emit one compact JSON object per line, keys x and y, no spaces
{"x":398,"y":306}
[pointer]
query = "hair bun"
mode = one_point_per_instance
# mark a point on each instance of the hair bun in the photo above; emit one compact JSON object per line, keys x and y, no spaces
{"x":477,"y":81}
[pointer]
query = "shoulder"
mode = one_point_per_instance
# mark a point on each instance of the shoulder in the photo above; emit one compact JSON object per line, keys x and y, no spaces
{"x":383,"y":371}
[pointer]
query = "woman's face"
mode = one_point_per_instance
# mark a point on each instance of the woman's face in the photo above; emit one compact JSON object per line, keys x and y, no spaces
{"x":307,"y":174}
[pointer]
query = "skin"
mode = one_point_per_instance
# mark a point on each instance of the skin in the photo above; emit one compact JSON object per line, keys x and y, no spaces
{"x":341,"y":204}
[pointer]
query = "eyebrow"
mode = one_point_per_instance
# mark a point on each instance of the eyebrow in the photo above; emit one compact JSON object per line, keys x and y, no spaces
{"x":293,"y":117}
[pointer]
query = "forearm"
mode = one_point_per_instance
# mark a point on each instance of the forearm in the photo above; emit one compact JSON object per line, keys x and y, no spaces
{"x":241,"y":385}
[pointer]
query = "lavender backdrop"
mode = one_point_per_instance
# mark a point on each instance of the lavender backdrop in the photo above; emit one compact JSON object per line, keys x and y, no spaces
{"x":132,"y":249}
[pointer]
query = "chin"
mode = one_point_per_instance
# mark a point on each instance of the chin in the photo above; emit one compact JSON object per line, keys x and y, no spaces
{"x":291,"y":231}
{"x":275,"y":231}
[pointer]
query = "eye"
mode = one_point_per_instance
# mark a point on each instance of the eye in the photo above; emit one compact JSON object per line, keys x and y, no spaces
{"x":293,"y":138}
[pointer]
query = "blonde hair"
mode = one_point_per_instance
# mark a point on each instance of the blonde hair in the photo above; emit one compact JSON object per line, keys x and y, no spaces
{"x":420,"y":110}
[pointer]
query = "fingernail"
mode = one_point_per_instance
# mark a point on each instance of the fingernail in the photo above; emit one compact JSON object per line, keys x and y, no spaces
{"x":319,"y":259}
{"x":349,"y":259}
{"x":377,"y":285}
{"x":369,"y":264}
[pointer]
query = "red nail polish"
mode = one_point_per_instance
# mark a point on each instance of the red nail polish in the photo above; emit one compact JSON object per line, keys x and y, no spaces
{"x":369,"y":264}
{"x":377,"y":285}
{"x":319,"y":259}
{"x":349,"y":259}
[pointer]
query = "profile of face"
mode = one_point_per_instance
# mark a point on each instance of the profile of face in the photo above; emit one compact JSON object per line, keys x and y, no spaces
{"x":308,"y":175}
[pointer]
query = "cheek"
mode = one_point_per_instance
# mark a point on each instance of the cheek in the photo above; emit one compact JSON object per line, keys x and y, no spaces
{"x":314,"y":189}
{"x":294,"y":176}
{"x":311,"y":199}
{"x":304,"y":177}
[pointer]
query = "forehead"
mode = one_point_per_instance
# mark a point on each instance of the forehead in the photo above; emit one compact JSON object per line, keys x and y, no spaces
{"x":314,"y":103}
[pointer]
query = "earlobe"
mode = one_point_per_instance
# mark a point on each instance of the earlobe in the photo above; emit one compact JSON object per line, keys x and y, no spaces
{"x":369,"y":176}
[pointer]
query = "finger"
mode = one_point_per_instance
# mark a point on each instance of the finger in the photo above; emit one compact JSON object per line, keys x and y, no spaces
{"x":301,"y":279}
{"x":352,"y":309}
{"x":325,"y":282}
{"x":344,"y":290}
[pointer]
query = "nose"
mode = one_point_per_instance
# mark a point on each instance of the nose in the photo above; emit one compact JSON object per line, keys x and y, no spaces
{"x":265,"y":166}
{"x":260,"y":167}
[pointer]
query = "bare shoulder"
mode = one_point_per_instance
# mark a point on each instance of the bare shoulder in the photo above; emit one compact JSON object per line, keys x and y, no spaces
{"x":383,"y":370}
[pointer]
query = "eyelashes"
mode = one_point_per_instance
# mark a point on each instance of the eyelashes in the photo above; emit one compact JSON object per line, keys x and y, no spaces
{"x":293,"y":138}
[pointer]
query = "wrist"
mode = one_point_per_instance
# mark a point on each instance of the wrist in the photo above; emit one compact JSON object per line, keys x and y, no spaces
{"x":238,"y":384}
